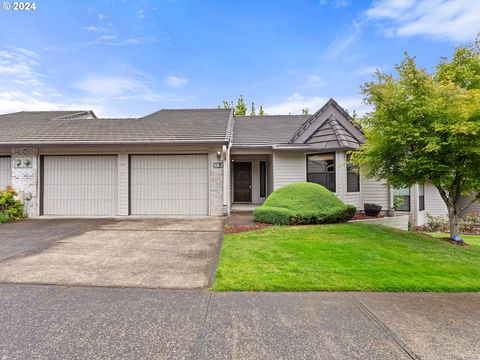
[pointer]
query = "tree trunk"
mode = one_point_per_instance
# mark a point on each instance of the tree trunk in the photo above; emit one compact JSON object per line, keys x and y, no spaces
{"x":454,"y":219}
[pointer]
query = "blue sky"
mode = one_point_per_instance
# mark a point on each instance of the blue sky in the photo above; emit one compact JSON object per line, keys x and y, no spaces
{"x":130,"y":58}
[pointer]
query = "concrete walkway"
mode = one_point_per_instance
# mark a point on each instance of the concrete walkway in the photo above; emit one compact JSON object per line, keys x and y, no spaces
{"x":90,"y":323}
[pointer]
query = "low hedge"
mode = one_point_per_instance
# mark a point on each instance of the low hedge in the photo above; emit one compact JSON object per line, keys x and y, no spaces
{"x":303,"y":203}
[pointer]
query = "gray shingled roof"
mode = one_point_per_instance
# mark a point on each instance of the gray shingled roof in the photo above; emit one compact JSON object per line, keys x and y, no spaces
{"x":332,"y":135}
{"x":265,"y":130}
{"x":165,"y":126}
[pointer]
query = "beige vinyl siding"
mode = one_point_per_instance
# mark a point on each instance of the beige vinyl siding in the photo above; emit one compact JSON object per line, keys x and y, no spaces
{"x":4,"y":171}
{"x":434,"y":204}
{"x":80,"y":185}
{"x":374,"y":192}
{"x":169,"y":184}
{"x":289,"y":168}
{"x":353,"y":198}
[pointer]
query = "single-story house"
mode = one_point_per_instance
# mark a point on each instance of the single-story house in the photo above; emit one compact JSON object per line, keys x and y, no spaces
{"x":185,"y":162}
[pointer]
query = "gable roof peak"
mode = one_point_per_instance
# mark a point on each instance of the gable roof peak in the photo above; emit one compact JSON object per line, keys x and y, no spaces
{"x":328,"y":112}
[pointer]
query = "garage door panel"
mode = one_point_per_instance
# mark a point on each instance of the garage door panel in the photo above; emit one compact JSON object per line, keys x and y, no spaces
{"x":169,"y":184}
{"x":4,"y":172}
{"x":163,"y":192}
{"x":80,"y":185}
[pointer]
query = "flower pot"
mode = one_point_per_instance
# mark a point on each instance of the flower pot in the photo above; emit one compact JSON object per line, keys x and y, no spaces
{"x":372,"y":209}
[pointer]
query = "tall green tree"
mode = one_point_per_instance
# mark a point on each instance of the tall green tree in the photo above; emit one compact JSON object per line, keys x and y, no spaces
{"x":240,"y":107}
{"x":306,"y":111}
{"x":252,"y":109}
{"x":425,"y":128}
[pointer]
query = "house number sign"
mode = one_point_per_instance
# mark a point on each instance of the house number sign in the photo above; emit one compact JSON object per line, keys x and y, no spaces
{"x":218,"y":165}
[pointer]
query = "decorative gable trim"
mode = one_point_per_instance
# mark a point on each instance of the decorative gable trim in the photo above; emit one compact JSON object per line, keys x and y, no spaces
{"x":331,"y":110}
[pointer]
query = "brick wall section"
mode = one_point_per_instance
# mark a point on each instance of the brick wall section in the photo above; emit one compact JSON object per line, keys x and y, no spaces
{"x":216,"y":185}
{"x":25,"y":179}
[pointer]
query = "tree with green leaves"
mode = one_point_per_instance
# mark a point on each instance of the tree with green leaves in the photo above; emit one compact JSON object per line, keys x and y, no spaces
{"x":240,"y":108}
{"x":425,"y":128}
{"x":306,"y":111}
{"x":252,"y":109}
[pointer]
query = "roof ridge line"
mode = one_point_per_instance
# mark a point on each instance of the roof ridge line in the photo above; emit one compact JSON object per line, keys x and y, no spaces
{"x":75,"y":115}
{"x":336,"y":129}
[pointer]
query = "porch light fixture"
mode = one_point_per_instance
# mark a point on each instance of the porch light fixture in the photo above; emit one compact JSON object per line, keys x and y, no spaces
{"x":18,"y":162}
{"x":219,"y":155}
{"x":27,"y":162}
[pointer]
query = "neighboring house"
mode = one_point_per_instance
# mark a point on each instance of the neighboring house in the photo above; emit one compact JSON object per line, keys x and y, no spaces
{"x":184,"y":162}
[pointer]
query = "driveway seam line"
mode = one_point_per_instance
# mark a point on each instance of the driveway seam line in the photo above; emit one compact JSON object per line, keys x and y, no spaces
{"x":217,"y":254}
{"x":203,"y":332}
{"x":370,"y":315}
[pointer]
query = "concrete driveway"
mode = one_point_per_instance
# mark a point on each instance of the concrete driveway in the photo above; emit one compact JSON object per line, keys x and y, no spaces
{"x":149,"y":253}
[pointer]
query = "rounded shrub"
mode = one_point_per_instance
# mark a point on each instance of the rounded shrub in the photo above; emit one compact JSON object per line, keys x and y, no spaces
{"x":10,"y":207}
{"x":303,"y":203}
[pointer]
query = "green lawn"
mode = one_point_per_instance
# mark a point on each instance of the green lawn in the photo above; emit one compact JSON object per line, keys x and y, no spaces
{"x":351,"y":256}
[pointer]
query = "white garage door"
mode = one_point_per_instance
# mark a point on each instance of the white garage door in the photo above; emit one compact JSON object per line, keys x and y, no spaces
{"x":4,"y":171}
{"x":169,"y":184}
{"x":80,"y":185}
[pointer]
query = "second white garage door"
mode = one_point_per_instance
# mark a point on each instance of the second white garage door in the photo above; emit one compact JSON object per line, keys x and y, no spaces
{"x":80,"y":185}
{"x":169,"y":184}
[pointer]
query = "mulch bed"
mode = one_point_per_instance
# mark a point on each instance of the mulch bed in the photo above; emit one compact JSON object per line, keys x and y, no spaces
{"x":458,"y":243}
{"x":359,"y":216}
{"x":235,"y":229}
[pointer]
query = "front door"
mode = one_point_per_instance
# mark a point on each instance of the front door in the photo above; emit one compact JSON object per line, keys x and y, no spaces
{"x":242,"y":182}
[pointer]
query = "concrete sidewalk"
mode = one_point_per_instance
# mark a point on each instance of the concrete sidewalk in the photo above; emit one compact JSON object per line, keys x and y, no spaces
{"x":83,"y":322}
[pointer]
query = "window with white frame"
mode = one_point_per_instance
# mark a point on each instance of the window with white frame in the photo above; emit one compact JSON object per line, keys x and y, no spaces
{"x":353,"y":177}
{"x":321,"y":170}
{"x":401,"y":199}
{"x":421,"y":197}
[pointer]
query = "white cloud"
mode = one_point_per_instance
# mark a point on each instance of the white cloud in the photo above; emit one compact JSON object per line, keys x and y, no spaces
{"x":107,"y":37}
{"x":295,"y":103}
{"x":315,"y":78}
{"x":133,"y":85}
{"x":22,"y":86}
{"x":367,"y":70}
{"x":456,"y":20}
{"x":175,"y":81}
{"x":343,"y":41}
{"x":105,"y":86}
{"x":14,"y":101}
{"x":95,"y":28}
{"x":340,"y":3}
{"x":336,"y":3}
{"x":18,"y":62}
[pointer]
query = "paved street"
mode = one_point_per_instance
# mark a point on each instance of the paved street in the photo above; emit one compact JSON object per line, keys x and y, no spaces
{"x":41,"y":321}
